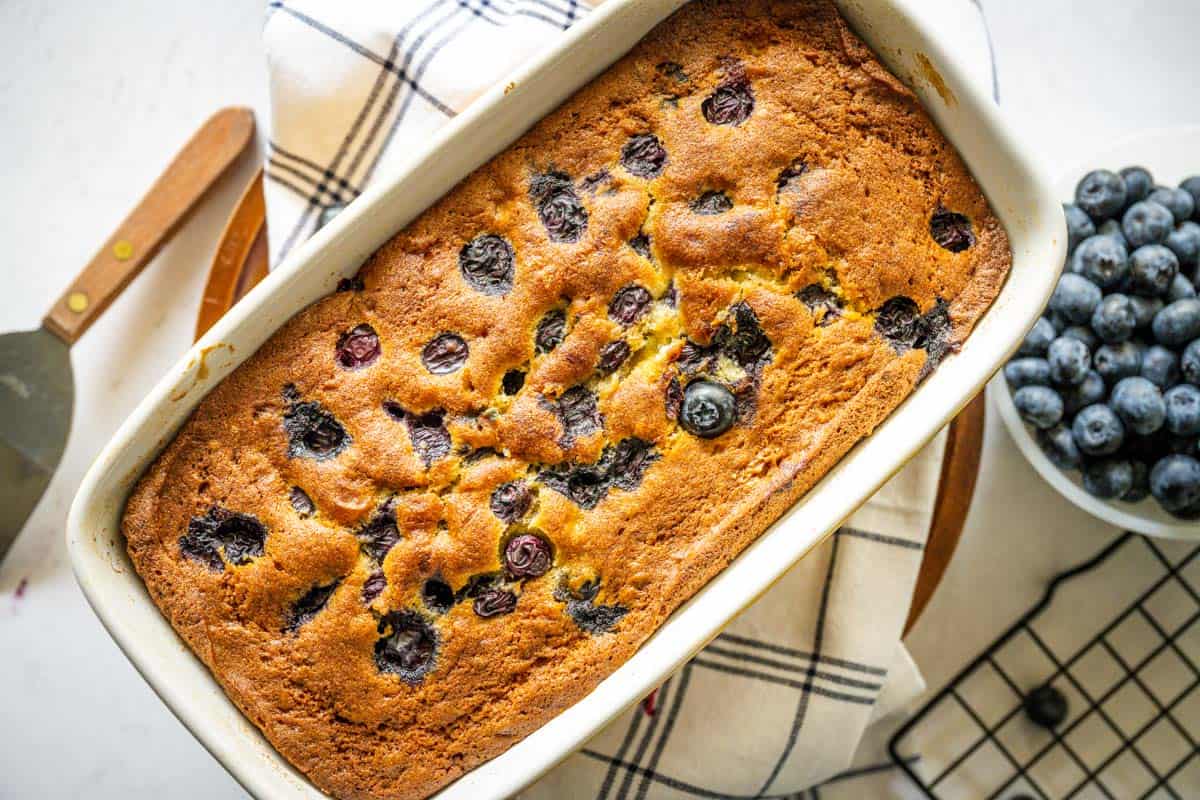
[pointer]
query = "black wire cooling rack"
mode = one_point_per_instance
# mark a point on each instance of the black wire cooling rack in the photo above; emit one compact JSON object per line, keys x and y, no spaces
{"x":1127,"y":669}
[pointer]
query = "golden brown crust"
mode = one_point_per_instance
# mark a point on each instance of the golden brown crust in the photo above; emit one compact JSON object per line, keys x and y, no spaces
{"x":873,"y":170}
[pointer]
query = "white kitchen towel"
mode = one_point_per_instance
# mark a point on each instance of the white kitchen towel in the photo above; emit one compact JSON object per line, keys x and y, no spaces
{"x":780,"y":700}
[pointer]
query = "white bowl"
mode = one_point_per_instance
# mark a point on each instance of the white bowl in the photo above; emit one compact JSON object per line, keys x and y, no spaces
{"x":1003,"y":167}
{"x":1171,"y":154}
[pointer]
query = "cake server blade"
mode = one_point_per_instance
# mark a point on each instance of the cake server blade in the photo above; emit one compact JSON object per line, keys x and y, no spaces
{"x":37,"y":391}
{"x":36,"y":397}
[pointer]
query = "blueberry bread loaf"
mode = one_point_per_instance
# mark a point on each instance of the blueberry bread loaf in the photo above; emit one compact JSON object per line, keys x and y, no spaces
{"x":441,"y":504}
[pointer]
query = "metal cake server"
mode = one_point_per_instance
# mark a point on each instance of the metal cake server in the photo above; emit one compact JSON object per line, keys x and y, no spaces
{"x":37,"y":391}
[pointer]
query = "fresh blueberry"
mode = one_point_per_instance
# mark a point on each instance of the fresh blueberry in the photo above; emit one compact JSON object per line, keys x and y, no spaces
{"x":1183,"y":445}
{"x":1046,"y":706}
{"x":1178,"y":323}
{"x":1181,"y":289}
{"x":1189,"y":363}
{"x":1140,"y":489}
{"x":1069,"y":361}
{"x":1184,"y":242}
{"x":1101,"y":194}
{"x":1147,"y":223}
{"x":1152,"y":267}
{"x":1191,"y":512}
{"x":709,"y":409}
{"x":1180,"y":202}
{"x":1059,"y":446}
{"x":1145,"y":448}
{"x":1098,"y":430}
{"x":1102,"y":260}
{"x":1138,"y":183}
{"x":1108,"y":478}
{"x":1175,"y":482}
{"x":1144,"y":309}
{"x":1027,"y":372}
{"x":1038,"y":338}
{"x":1092,"y":390}
{"x":1160,"y":366}
{"x":1192,"y":186}
{"x":1114,"y":319}
{"x":1140,"y":405}
{"x":1117,"y":361}
{"x":1079,"y":225}
{"x":1084,"y":334}
{"x":1058,"y":320}
{"x":1076,"y":298}
{"x":1040,"y":406}
{"x":1159,"y":444}
{"x":1183,"y":410}
{"x":1112,"y":229}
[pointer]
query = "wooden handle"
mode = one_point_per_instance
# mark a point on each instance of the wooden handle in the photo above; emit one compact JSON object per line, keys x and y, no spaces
{"x":241,"y":258}
{"x":139,"y":237}
{"x":956,"y":487}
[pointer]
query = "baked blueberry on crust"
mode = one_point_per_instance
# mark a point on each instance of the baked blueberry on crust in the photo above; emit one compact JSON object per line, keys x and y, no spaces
{"x":221,"y":536}
{"x":553,"y":406}
{"x":408,"y":647}
{"x":488,"y":264}
{"x":644,"y":156}
{"x":732,"y":102}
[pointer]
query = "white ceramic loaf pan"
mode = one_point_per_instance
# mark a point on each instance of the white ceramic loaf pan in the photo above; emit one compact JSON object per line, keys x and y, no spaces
{"x":1022,"y":199}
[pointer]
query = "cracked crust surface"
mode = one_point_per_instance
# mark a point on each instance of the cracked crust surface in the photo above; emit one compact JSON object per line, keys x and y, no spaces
{"x":832,"y":179}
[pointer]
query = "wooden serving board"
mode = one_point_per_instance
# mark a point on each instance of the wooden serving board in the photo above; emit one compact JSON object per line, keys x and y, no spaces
{"x":241,"y":262}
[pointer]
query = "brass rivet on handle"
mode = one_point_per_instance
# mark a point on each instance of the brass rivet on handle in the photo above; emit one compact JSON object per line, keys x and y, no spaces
{"x":123,"y":250}
{"x":77,"y":302}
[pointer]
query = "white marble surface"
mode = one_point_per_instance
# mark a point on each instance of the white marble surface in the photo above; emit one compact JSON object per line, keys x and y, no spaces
{"x":97,"y":96}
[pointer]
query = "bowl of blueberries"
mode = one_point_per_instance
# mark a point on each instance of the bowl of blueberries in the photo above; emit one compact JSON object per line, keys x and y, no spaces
{"x":1103,"y":395}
